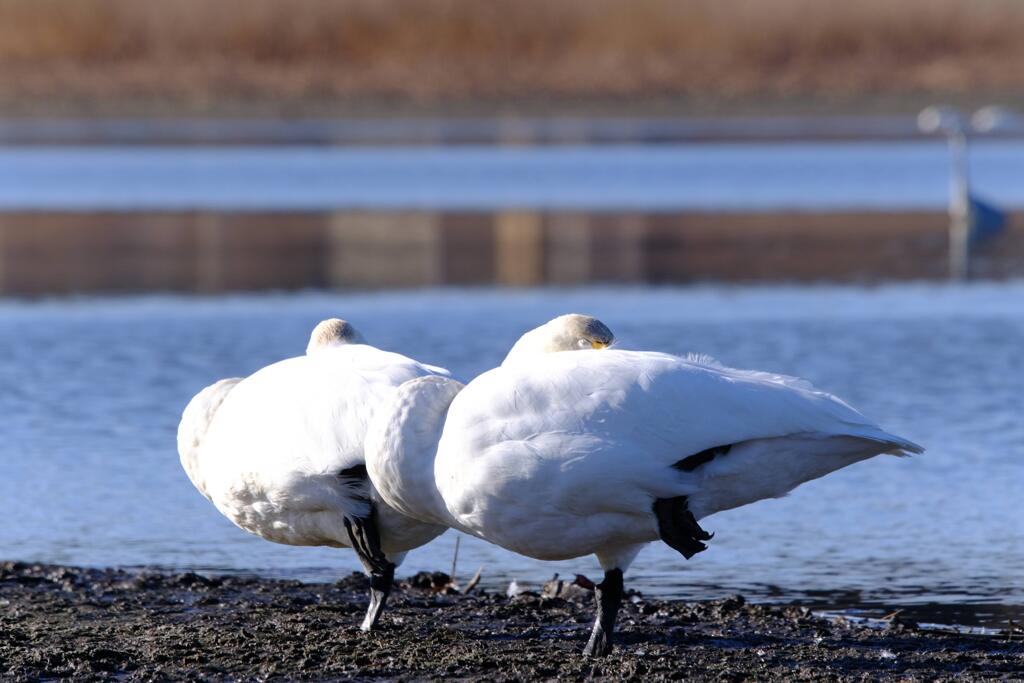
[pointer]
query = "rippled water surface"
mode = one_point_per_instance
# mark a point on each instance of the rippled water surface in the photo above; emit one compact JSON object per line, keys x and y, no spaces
{"x":671,"y":177}
{"x":92,"y":392}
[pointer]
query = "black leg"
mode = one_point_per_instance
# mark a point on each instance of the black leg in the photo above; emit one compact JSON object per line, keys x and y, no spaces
{"x":609,"y":596}
{"x":380,"y":588}
{"x":365,"y":539}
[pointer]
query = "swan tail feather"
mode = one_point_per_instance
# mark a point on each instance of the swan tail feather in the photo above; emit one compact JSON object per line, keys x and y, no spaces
{"x":894,"y":445}
{"x":195,"y":422}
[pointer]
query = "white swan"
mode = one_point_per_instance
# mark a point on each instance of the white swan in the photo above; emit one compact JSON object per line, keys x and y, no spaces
{"x":556,"y":455}
{"x":280,"y":453}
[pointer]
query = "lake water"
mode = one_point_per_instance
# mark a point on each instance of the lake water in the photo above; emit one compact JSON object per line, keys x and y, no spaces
{"x":818,"y":176}
{"x":93,"y":390}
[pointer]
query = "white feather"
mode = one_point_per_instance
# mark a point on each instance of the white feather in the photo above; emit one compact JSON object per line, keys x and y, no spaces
{"x":195,"y":422}
{"x":563,"y":454}
{"x":267,"y":450}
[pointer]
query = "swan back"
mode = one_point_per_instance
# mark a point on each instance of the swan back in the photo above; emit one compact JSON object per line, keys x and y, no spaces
{"x":308,"y":414}
{"x":693,"y":403}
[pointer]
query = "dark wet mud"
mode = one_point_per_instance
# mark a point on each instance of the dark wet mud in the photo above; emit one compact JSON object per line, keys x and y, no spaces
{"x":82,"y":624}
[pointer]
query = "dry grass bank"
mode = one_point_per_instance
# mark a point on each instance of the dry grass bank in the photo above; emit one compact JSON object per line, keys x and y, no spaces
{"x":197,"y":51}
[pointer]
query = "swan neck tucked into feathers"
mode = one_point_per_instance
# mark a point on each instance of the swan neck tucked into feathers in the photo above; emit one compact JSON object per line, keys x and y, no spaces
{"x":333,"y":332}
{"x":570,"y":332}
{"x":401,"y":446}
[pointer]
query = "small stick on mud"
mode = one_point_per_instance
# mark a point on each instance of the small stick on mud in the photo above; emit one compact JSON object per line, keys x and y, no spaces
{"x":455,"y":559}
{"x":1013,"y":629}
{"x":584,"y":582}
{"x":473,"y":582}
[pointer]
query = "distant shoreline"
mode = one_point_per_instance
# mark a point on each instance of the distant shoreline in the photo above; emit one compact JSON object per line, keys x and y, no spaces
{"x":53,"y":105}
{"x":461,"y":130}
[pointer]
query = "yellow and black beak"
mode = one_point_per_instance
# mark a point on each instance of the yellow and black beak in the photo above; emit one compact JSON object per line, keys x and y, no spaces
{"x":598,"y":344}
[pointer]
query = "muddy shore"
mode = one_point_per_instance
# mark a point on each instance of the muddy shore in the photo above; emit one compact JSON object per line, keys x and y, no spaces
{"x":88,"y":624}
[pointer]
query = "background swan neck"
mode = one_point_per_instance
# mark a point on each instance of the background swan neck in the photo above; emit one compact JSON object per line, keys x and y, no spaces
{"x":401,"y":447}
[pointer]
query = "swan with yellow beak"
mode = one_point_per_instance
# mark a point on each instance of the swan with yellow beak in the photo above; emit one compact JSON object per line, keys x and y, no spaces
{"x":572,"y":448}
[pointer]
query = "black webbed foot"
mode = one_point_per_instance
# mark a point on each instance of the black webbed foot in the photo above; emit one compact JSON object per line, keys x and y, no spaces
{"x":678,"y":527}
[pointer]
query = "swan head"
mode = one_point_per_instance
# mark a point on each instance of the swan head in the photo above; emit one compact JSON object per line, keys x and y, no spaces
{"x":572,"y":332}
{"x":333,"y":332}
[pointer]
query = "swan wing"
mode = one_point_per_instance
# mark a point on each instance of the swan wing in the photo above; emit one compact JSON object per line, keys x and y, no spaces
{"x":309,"y":414}
{"x":598,"y":434}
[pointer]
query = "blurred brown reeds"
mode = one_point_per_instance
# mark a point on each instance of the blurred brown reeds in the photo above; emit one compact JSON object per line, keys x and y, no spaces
{"x":436,"y":50}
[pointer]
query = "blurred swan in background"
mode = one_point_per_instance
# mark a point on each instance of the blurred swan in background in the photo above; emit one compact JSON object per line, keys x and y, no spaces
{"x":556,"y":455}
{"x":280,"y":453}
